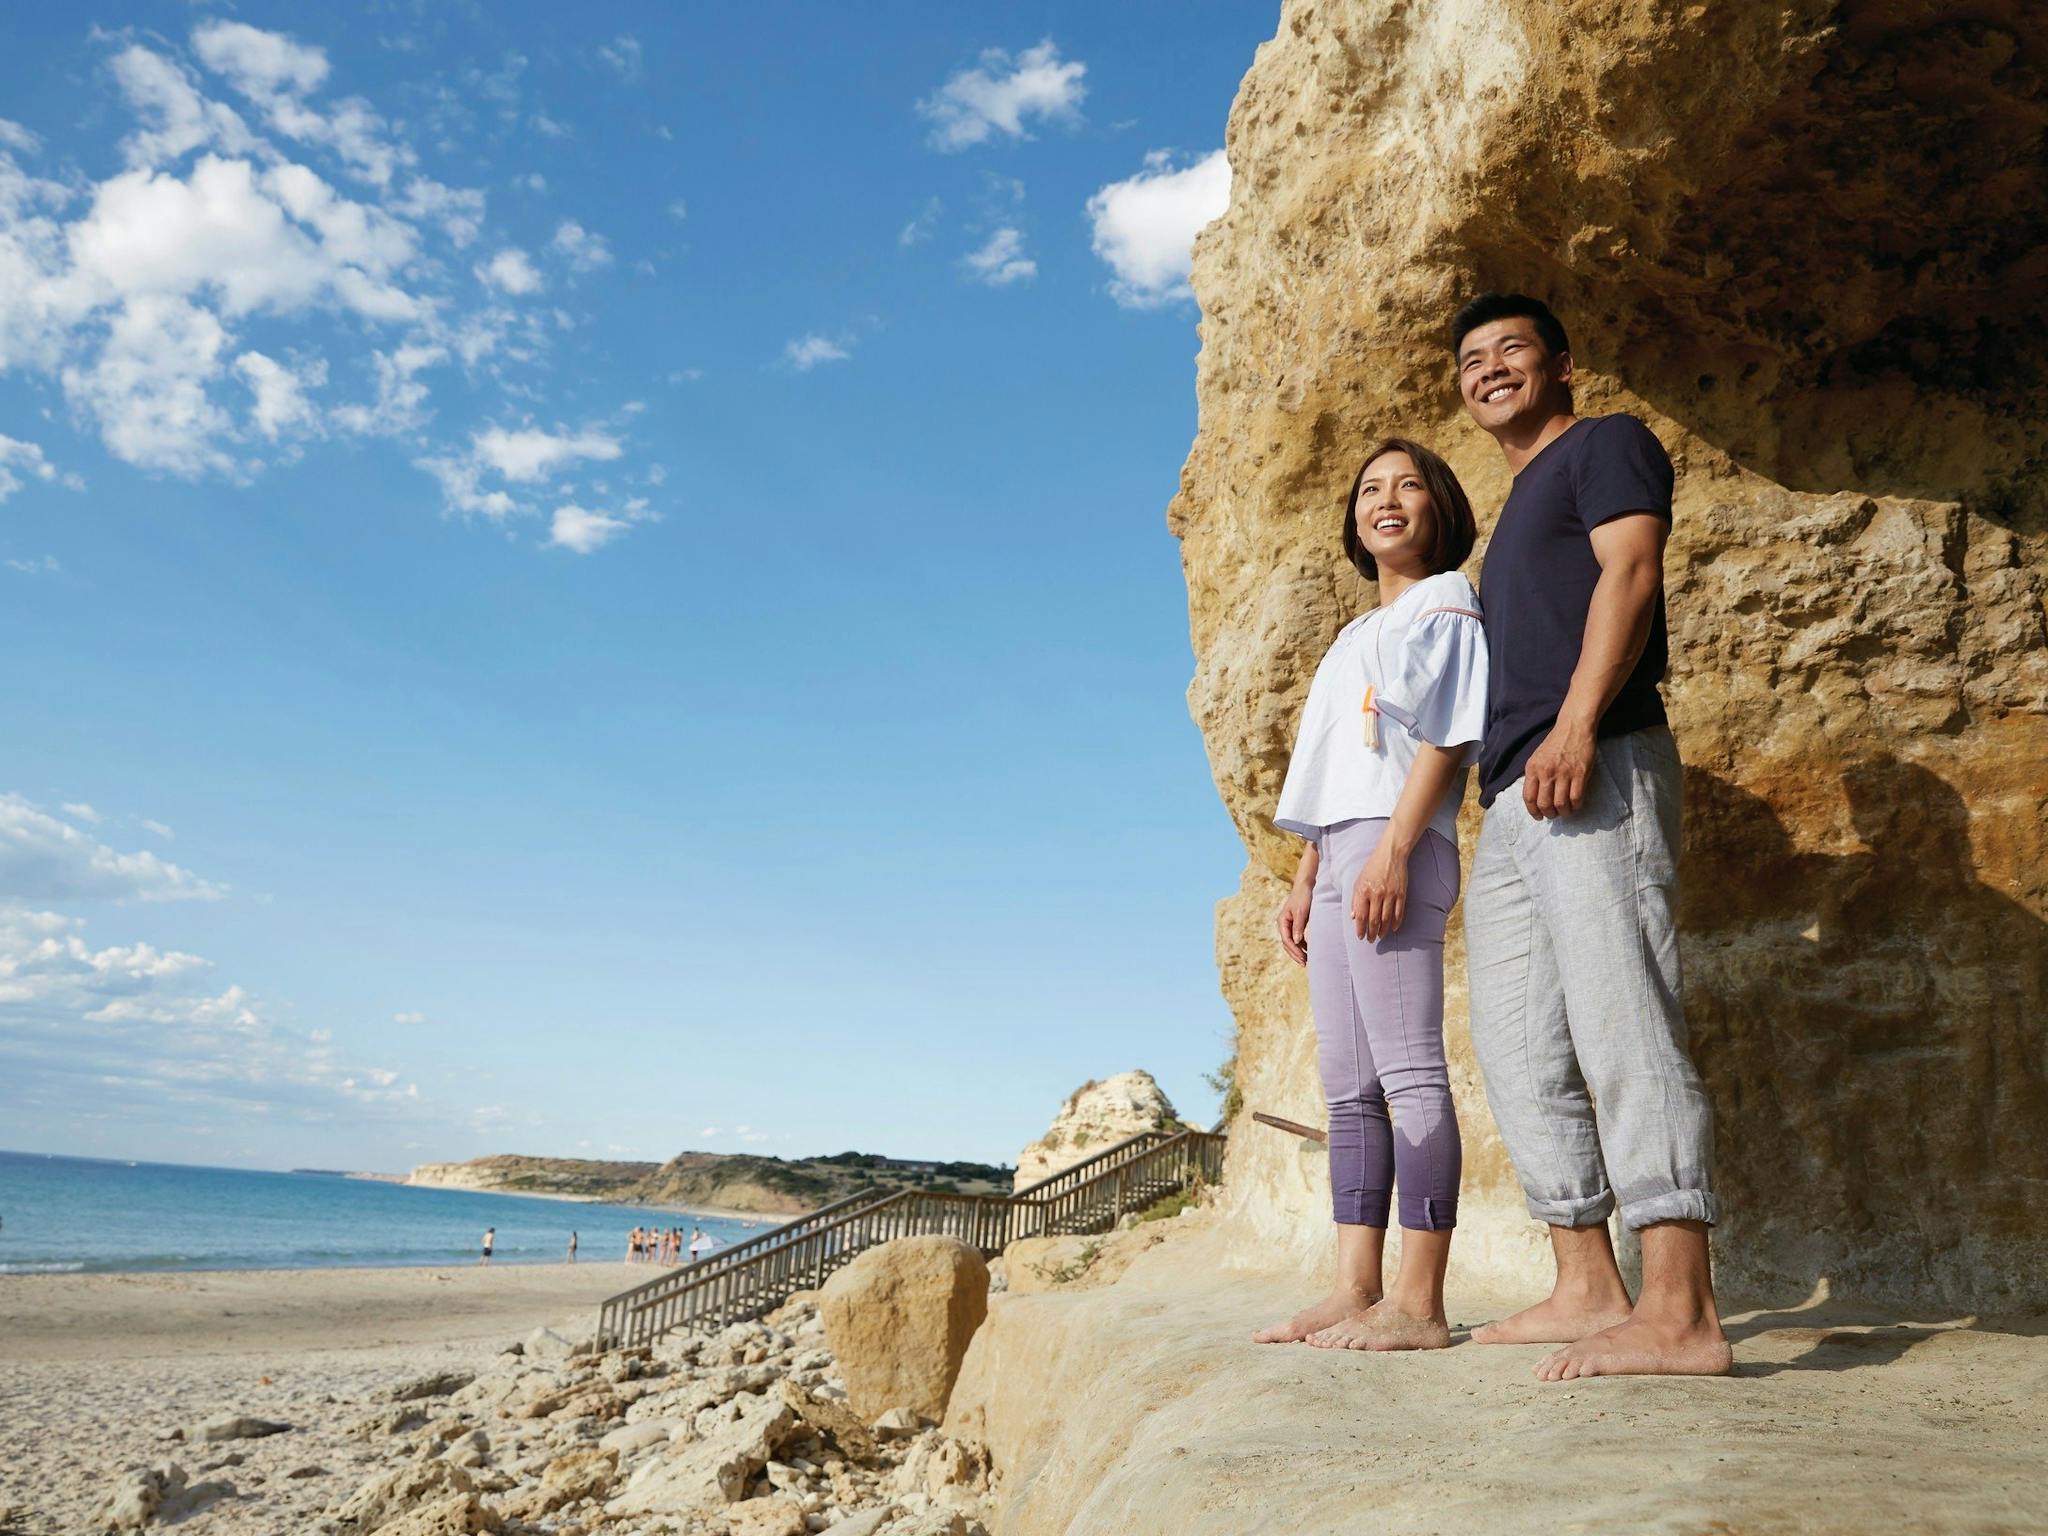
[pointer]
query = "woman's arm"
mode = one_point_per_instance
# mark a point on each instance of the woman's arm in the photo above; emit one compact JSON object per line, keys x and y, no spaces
{"x":1292,"y":918}
{"x":1381,"y":898}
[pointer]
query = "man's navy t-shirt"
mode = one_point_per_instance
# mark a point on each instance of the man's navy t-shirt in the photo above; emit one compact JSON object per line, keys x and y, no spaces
{"x":1536,"y":587}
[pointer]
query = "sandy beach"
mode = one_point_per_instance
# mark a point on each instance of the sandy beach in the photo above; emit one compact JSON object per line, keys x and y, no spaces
{"x":1838,"y":1416}
{"x":95,"y":1369}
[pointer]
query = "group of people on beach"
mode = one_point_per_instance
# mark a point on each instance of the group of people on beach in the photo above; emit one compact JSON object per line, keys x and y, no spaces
{"x":1547,"y":679}
{"x":646,"y":1245}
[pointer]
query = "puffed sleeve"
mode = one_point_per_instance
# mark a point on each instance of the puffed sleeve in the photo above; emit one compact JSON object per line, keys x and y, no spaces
{"x":1437,"y":686}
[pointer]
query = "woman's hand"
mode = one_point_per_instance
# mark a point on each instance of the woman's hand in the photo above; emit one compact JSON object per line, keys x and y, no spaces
{"x":1292,"y":921}
{"x":1380,"y":900}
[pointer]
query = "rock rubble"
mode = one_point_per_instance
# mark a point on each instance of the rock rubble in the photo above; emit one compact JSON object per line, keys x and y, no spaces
{"x":748,"y":1433}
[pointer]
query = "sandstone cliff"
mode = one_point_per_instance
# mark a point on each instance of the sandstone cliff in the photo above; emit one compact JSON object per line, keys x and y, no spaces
{"x":1097,"y":1116}
{"x":727,"y":1181}
{"x":1805,"y":242}
{"x":511,"y":1174}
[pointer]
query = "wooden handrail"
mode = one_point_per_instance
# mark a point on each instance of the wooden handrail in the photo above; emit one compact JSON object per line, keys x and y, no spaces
{"x":756,"y":1276}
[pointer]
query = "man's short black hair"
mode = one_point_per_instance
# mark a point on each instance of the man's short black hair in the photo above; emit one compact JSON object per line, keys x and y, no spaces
{"x":1489,"y":307}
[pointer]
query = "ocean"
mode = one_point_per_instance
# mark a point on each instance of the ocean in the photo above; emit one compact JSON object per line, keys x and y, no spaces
{"x":62,"y":1215}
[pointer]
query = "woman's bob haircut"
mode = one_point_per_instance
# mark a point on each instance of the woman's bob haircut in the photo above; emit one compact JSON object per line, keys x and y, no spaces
{"x":1456,"y":532}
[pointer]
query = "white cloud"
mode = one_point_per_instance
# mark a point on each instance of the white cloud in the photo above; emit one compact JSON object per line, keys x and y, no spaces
{"x":400,"y":403}
{"x":17,"y":459}
{"x":157,"y":829}
{"x":1002,"y":93}
{"x":528,"y":454}
{"x":78,"y":810}
{"x":1001,"y":261}
{"x":678,"y":209}
{"x":623,"y":55}
{"x":44,"y":858}
{"x":276,"y":74}
{"x":580,"y":248}
{"x":147,"y":388}
{"x":178,"y":119}
{"x":46,"y":565}
{"x":807,"y":352}
{"x":459,"y":210}
{"x":550,"y":127}
{"x":140,"y":1029}
{"x":408,"y":1018}
{"x":920,"y":228}
{"x":1145,"y":226}
{"x":461,"y":481}
{"x":257,"y":62}
{"x":161,"y":297}
{"x":511,"y":271}
{"x":582,"y":530}
{"x":532,"y":181}
{"x":281,"y":404}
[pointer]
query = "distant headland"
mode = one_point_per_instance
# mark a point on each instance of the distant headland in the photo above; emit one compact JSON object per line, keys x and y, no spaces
{"x":719,"y":1181}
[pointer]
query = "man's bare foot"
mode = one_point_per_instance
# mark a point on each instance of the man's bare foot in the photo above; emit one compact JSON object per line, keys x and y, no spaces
{"x":1556,"y":1320}
{"x":1643,"y":1347}
{"x":1385,"y":1326}
{"x":1333,"y":1308}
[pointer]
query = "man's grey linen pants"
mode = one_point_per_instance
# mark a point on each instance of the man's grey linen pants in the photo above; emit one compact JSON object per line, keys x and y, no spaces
{"x":1572,"y":954}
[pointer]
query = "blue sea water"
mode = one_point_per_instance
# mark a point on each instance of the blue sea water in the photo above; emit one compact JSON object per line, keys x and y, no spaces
{"x":74,"y":1214}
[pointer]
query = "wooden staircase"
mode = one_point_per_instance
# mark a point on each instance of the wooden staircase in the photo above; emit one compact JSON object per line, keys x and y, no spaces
{"x":756,"y":1276}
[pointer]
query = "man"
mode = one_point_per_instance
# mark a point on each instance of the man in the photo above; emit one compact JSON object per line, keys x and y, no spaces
{"x":490,"y":1237}
{"x":1570,"y":917}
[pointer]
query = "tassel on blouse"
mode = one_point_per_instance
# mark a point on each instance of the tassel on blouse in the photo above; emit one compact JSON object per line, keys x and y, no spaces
{"x":1372,"y":721}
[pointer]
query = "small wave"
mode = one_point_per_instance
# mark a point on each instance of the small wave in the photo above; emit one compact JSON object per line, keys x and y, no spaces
{"x":29,"y":1268}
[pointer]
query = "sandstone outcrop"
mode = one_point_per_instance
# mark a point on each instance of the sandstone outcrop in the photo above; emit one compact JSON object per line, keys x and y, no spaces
{"x":899,"y":1319}
{"x":1804,"y":243}
{"x":1097,"y":1116}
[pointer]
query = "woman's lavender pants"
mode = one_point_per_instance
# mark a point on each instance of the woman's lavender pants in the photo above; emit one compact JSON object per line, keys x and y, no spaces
{"x":1379,"y":1010}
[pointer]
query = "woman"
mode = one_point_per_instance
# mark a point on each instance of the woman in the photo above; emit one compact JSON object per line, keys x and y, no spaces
{"x":1374,"y":785}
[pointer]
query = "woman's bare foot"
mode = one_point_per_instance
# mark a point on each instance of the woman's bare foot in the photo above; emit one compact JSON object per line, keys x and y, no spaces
{"x":1643,"y":1347}
{"x":1385,"y":1327}
{"x":1333,"y":1308}
{"x":1557,"y":1319}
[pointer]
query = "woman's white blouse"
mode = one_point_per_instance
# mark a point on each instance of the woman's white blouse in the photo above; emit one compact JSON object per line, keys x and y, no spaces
{"x":1424,"y":658}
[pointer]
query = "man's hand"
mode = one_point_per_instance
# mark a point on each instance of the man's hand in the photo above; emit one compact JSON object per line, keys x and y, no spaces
{"x":1558,"y":772}
{"x":1380,"y":900}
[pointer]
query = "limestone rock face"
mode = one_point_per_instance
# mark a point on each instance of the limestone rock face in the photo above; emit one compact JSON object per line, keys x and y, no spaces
{"x":899,"y":1319}
{"x":1096,"y":1116}
{"x":1802,"y":241}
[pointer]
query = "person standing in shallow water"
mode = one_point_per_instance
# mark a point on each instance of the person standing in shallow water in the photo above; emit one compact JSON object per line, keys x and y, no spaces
{"x":1570,"y":924}
{"x":1374,"y":785}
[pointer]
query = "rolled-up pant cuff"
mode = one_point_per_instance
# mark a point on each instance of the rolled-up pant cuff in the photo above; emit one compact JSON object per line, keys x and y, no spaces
{"x":1585,"y":1211}
{"x":1422,"y":1213}
{"x":1367,"y":1208}
{"x":1677,"y":1205}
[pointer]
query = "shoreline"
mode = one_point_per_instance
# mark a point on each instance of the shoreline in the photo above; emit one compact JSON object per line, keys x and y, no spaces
{"x":160,"y":1314}
{"x":715,"y":1212}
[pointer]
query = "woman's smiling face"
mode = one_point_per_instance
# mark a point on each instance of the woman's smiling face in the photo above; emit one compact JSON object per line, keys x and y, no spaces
{"x":1395,"y":517}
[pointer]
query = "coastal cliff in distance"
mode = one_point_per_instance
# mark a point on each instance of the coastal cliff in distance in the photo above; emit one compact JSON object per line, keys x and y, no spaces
{"x":770,"y":1186}
{"x":507,"y":1173}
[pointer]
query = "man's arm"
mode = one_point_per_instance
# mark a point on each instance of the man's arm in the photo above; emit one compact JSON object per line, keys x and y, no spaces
{"x":1630,"y":550}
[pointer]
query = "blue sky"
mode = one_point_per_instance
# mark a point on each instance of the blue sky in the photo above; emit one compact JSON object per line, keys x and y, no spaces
{"x":595,"y":582}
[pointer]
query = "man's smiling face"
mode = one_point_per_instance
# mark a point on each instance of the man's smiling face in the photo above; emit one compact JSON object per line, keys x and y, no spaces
{"x":1506,"y":374}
